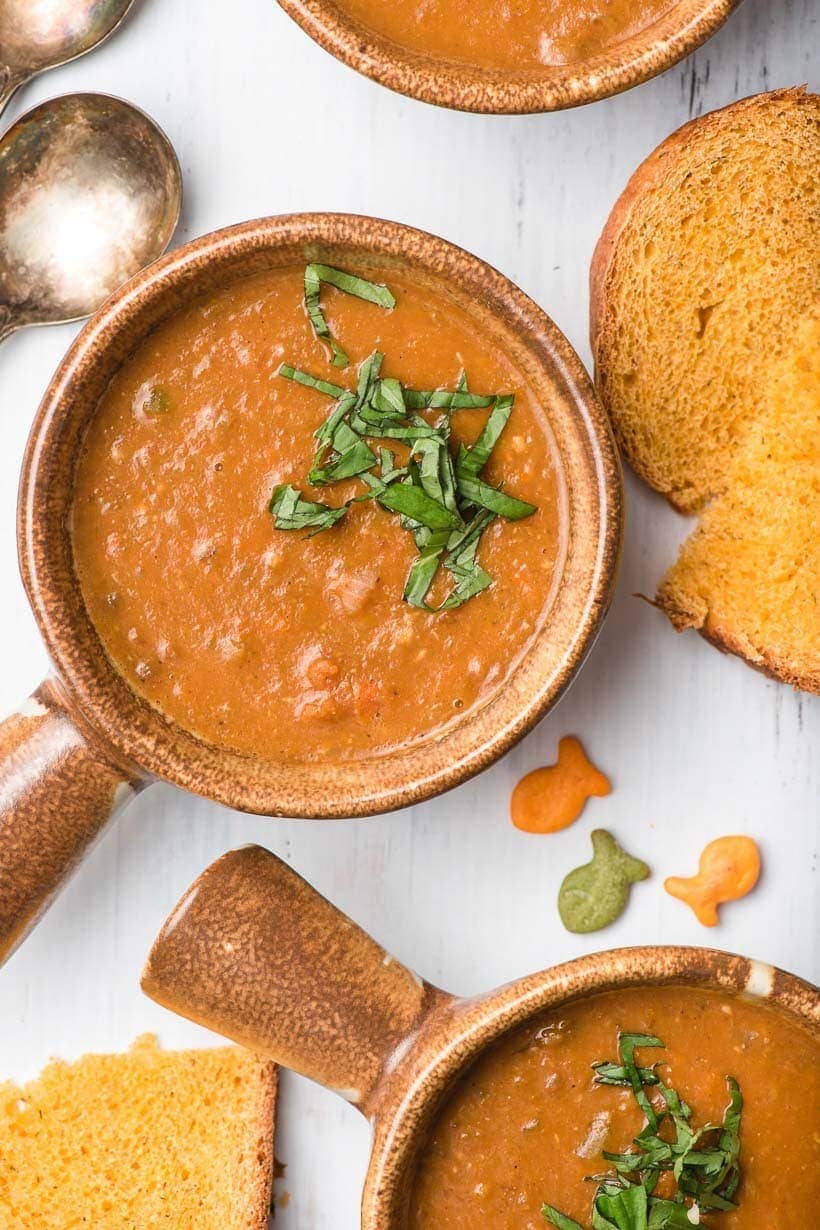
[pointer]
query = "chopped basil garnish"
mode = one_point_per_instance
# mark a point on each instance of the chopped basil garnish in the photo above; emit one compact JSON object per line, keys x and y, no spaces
{"x":703,"y":1163}
{"x":315,"y":275}
{"x":443,"y":503}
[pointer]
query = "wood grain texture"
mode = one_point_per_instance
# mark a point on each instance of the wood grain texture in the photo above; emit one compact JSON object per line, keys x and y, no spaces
{"x":696,"y":744}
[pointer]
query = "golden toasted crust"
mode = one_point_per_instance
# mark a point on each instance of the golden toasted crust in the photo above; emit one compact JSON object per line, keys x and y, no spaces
{"x":716,"y":426}
{"x":727,"y":641}
{"x":262,"y":1192}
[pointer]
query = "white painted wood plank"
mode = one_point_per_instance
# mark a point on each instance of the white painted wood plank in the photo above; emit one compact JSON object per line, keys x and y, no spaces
{"x":697,"y":744}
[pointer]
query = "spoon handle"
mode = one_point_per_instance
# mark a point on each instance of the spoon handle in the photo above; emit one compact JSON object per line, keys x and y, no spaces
{"x":9,"y":82}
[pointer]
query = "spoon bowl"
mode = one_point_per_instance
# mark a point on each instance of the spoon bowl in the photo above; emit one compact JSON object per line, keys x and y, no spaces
{"x":90,"y":192}
{"x":39,"y":34}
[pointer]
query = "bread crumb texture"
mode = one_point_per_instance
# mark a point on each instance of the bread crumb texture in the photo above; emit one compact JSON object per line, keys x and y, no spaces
{"x":181,"y":1140}
{"x":706,"y":335}
{"x":748,"y":576}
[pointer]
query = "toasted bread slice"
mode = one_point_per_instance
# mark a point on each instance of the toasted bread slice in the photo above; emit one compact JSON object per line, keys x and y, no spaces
{"x":704,"y":295}
{"x":152,"y":1138}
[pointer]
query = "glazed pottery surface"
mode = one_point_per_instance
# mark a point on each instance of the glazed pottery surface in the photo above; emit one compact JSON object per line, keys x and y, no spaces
{"x":253,"y":952}
{"x":118,"y":734}
{"x":470,"y":88}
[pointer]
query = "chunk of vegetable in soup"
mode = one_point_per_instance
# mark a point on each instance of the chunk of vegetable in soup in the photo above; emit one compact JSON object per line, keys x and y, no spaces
{"x":527,"y":1125}
{"x":289,"y":645}
{"x":512,"y":34}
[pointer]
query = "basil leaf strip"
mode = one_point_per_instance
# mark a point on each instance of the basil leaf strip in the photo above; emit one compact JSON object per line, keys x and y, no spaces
{"x":627,"y":1045}
{"x":616,"y":1074}
{"x":310,"y":382}
{"x":436,"y":473}
{"x":424,"y":568}
{"x":291,"y":512}
{"x":325,"y":433}
{"x":624,"y":1209}
{"x":668,"y":1215}
{"x":315,"y":275}
{"x":361,"y":288}
{"x":484,"y":496}
{"x":413,"y":502}
{"x":388,"y":399}
{"x":472,"y":461}
{"x":559,"y":1219}
{"x":445,"y":399}
{"x":353,"y":457}
{"x":469,"y":578}
{"x":417,"y":431}
{"x":368,"y":375}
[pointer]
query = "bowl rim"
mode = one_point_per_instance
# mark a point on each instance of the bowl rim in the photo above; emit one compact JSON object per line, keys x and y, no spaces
{"x":465,"y":87}
{"x":130,"y":727}
{"x":458,"y":1030}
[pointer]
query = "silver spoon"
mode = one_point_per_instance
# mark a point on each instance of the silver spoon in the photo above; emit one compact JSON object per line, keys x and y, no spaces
{"x":90,"y":192}
{"x":40,"y":34}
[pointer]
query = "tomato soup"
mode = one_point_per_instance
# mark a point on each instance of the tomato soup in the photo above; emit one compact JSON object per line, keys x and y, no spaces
{"x":511,"y":34}
{"x":300,"y":645}
{"x":528,"y":1125}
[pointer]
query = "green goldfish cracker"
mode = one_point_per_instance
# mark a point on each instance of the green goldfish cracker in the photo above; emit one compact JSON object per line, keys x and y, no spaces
{"x":593,"y":896}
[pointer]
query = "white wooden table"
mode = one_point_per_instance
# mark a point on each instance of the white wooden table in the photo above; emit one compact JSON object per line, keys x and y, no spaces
{"x":697,"y":744}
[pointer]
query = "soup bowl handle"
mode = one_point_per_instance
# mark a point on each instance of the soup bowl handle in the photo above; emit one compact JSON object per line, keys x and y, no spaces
{"x":58,"y":791}
{"x":254,"y":953}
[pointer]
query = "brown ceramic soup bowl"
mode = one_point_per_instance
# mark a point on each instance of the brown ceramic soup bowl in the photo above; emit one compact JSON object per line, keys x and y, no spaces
{"x":255,"y":953}
{"x":86,"y":741}
{"x":467,"y":87}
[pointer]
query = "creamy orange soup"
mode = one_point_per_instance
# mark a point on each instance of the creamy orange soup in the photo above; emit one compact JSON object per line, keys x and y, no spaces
{"x":277,"y":643}
{"x":527,"y":1126}
{"x":510,"y":34}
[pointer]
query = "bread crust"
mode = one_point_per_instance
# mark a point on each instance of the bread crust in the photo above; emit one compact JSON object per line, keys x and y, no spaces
{"x":715,"y":634}
{"x":650,"y":177}
{"x":261,"y":1195}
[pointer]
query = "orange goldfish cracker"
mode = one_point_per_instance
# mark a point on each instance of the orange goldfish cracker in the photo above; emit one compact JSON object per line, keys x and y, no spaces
{"x":551,"y":798}
{"x":729,"y":868}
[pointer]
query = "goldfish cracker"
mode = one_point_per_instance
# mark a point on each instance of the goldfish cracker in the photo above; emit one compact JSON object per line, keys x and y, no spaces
{"x":593,"y":896}
{"x":729,"y":868}
{"x":551,"y":798}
